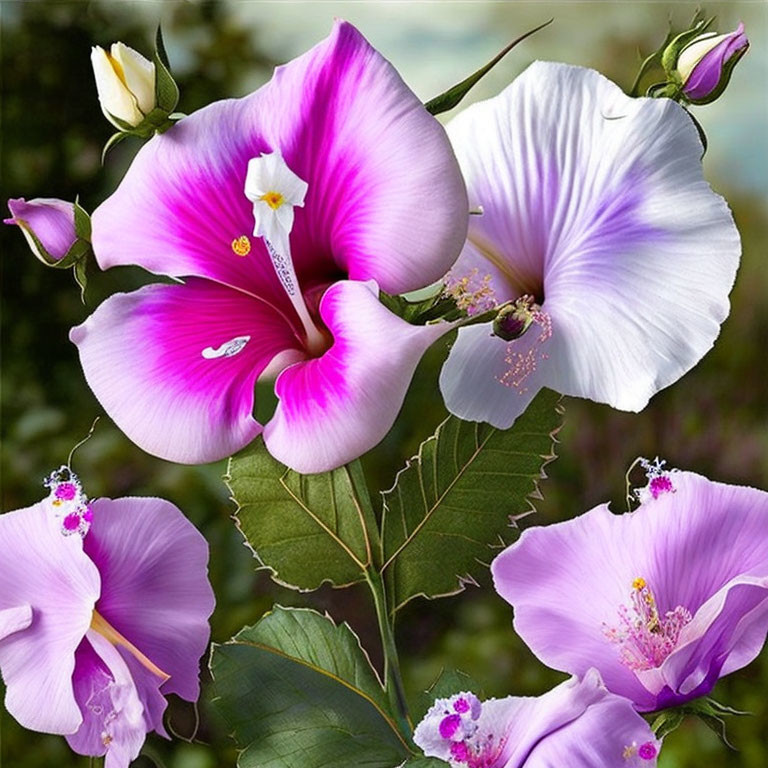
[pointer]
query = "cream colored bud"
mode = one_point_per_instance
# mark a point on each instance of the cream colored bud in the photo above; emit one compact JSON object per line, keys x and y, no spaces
{"x":125,"y":81}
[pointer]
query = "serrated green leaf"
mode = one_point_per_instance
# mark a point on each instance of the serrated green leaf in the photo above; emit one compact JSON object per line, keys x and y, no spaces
{"x":455,"y":501}
{"x":298,"y":691}
{"x":307,"y":529}
{"x":450,"y":98}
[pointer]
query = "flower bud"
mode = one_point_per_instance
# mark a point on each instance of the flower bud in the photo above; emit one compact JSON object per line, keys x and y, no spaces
{"x":47,"y":224}
{"x":703,"y":67}
{"x":514,"y":319}
{"x":125,"y":81}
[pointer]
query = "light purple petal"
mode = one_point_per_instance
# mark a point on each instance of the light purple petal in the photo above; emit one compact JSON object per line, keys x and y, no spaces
{"x":386,"y":199}
{"x":578,"y":724}
{"x":113,"y":722}
{"x":703,"y":546}
{"x":608,"y":734}
{"x":595,"y":204}
{"x":52,"y":222}
{"x":334,"y":408}
{"x":47,"y":571}
{"x":143,"y":356}
{"x":153,"y":565}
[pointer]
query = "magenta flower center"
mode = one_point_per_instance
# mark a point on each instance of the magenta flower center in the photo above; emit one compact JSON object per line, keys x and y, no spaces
{"x":469,"y":744}
{"x":69,"y":502}
{"x":645,"y":637}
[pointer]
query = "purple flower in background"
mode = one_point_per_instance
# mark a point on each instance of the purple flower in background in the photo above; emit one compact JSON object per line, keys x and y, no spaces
{"x":47,"y":224}
{"x":578,"y":724}
{"x":704,"y":66}
{"x":97,"y":628}
{"x":663,"y":601}
{"x":596,"y":221}
{"x":283,"y":213}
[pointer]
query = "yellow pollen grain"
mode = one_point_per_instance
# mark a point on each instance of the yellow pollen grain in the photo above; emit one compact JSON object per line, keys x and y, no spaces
{"x":241,"y":245}
{"x":273,"y":199}
{"x":638,"y":583}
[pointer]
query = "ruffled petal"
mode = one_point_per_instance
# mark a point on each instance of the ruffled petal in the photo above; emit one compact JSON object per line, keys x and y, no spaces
{"x":175,"y":365}
{"x":336,"y":407}
{"x":113,"y":721}
{"x":153,"y":565}
{"x":607,"y":734}
{"x":47,"y":573}
{"x":595,"y":204}
{"x":386,"y":199}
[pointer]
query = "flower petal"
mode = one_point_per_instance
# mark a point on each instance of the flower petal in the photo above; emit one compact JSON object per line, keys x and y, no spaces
{"x":153,"y":565}
{"x":334,"y":408}
{"x":48,"y":572}
{"x":595,"y":204}
{"x":607,"y":734}
{"x":168,"y":364}
{"x":113,"y":722}
{"x":693,"y":546}
{"x":375,"y":161}
{"x":488,"y":379}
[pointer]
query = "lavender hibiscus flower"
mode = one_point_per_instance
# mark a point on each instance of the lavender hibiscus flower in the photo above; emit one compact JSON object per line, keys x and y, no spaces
{"x":598,"y":223}
{"x":284,"y":213}
{"x":663,"y":601}
{"x":565,"y":727}
{"x":104,"y":610}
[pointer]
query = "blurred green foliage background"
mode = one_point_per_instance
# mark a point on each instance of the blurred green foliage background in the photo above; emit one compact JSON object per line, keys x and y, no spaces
{"x":713,"y":421}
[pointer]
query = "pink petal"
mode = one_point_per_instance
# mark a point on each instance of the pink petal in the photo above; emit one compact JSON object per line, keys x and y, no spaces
{"x":334,"y":408}
{"x":386,"y":199}
{"x":155,"y":589}
{"x":142,"y":355}
{"x":48,"y":572}
{"x":113,"y":716}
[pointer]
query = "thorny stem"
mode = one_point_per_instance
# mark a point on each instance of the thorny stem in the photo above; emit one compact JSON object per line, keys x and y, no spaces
{"x":392,"y":678}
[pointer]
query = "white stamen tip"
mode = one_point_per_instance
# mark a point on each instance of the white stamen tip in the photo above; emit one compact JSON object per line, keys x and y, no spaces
{"x":227,"y":349}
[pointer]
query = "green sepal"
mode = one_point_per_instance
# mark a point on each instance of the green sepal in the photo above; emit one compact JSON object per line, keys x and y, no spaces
{"x":674,"y":48}
{"x":166,"y":90}
{"x":711,"y":712}
{"x":450,"y":98}
{"x":114,"y":139}
{"x":82,"y":221}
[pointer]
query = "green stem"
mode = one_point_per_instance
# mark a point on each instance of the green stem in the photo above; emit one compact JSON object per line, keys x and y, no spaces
{"x":392,"y":678}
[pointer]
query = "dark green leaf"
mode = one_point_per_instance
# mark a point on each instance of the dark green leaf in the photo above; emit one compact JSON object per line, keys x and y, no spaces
{"x":307,"y":529}
{"x":453,"y":96}
{"x":456,"y":500}
{"x":297,"y":691}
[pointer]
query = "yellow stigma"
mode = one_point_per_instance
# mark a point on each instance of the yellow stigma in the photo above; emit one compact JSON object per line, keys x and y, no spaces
{"x":638,"y":583}
{"x":241,"y":245}
{"x":273,"y":199}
